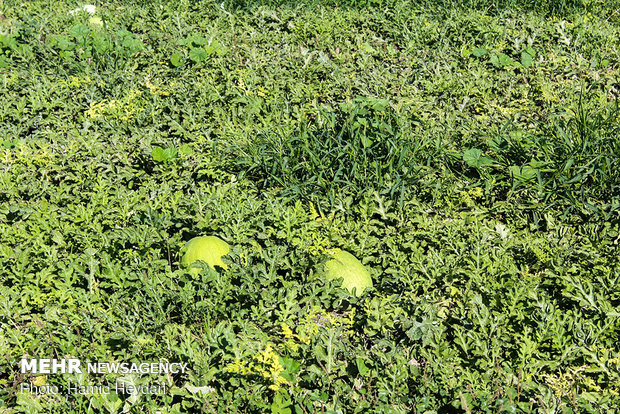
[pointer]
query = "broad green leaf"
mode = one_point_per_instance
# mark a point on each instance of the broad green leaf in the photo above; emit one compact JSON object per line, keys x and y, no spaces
{"x":63,"y":42}
{"x":380,"y":104}
{"x":526,"y":59}
{"x":291,"y":368}
{"x":79,"y":30}
{"x":176,"y":59}
{"x":473,"y":157}
{"x":366,"y":141}
{"x":132,"y":44}
{"x":505,"y":60}
{"x":170,"y":153}
{"x":362,"y":368}
{"x":524,"y":173}
{"x":197,"y":54}
{"x":9,"y":42}
{"x":198,"y":40}
{"x":215,"y":48}
{"x":186,"y":149}
{"x":478,"y":52}
{"x":158,"y":154}
{"x":101,"y":43}
{"x":530,"y":50}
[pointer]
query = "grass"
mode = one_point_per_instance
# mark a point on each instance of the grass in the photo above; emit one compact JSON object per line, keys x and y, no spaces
{"x":465,"y":152}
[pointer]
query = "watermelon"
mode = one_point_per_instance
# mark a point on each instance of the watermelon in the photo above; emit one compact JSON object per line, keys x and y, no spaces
{"x":346,"y":266}
{"x":209,"y":249}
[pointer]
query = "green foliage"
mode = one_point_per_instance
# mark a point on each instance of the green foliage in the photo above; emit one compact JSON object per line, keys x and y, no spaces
{"x":358,"y":146}
{"x":465,"y":152}
{"x":163,"y":155}
{"x":98,"y":45}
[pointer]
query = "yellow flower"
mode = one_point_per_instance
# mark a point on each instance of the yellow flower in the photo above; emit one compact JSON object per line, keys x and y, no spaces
{"x":266,"y":364}
{"x":156,"y":89}
{"x":39,"y":381}
{"x":123,"y":109}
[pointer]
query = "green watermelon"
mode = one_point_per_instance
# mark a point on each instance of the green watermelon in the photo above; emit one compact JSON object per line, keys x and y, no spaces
{"x":209,"y":249}
{"x":346,"y":266}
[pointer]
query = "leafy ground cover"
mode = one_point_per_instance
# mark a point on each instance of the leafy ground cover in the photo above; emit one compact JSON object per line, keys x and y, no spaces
{"x":466,"y":152}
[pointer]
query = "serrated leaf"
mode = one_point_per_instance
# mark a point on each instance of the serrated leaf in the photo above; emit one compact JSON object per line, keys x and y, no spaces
{"x":198,"y":40}
{"x":186,"y":149}
{"x":495,"y":60}
{"x":505,"y":60}
{"x":526,"y":59}
{"x":28,"y":402}
{"x":158,"y":154}
{"x":473,"y":157}
{"x":524,"y":173}
{"x":79,"y":30}
{"x":502,"y":231}
{"x":176,"y":59}
{"x":170,"y":153}
{"x":530,"y":50}
{"x":478,"y":52}
{"x":100,"y":43}
{"x":132,"y":44}
{"x":10,"y":42}
{"x":362,"y":368}
{"x":366,"y":141}
{"x":291,"y":367}
{"x":197,"y":54}
{"x":380,"y":104}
